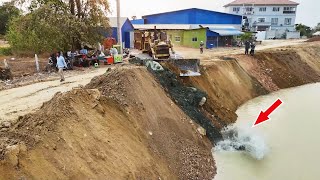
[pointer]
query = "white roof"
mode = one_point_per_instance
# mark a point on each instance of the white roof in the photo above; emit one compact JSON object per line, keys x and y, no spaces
{"x":316,"y":33}
{"x":224,"y":30}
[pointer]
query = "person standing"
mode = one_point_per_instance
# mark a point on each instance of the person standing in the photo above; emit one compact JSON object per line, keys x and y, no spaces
{"x":253,"y":46}
{"x":247,"y":47}
{"x":61,"y":64}
{"x":201,"y":47}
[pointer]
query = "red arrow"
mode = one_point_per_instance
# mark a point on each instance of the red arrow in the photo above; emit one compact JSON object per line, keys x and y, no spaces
{"x":264,"y":115}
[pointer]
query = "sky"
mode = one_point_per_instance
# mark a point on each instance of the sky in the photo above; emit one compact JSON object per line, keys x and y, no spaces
{"x":308,"y":10}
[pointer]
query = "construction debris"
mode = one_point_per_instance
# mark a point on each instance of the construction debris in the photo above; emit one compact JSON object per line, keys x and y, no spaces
{"x":5,"y":74}
{"x":202,"y":131}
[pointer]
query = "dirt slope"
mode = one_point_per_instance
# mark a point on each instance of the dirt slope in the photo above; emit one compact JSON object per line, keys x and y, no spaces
{"x":230,"y":83}
{"x":128,"y":129}
{"x":227,"y":85}
{"x":174,"y":136}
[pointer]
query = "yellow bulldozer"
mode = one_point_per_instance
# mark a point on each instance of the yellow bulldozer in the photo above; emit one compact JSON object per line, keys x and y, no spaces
{"x":154,"y":43}
{"x":158,"y":46}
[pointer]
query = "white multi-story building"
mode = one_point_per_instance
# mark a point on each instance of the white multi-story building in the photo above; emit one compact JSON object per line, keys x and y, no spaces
{"x":275,"y":16}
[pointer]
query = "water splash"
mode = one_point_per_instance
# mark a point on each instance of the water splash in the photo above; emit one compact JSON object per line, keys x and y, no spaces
{"x":243,"y":139}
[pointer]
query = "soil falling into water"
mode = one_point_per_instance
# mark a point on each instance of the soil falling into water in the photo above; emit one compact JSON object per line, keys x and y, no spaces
{"x":291,"y":137}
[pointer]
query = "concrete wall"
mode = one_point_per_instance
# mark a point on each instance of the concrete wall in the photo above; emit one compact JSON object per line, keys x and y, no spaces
{"x":293,"y":35}
{"x":279,"y":34}
{"x":200,"y":34}
{"x":262,"y":35}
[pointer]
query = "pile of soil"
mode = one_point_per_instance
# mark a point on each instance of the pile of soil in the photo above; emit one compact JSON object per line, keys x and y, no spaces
{"x":314,"y":39}
{"x":171,"y":133}
{"x":5,"y":74}
{"x":286,"y":68}
{"x":121,"y":126}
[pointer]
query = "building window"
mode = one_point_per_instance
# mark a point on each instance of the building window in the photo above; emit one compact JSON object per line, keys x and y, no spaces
{"x":276,"y":9}
{"x":195,"y":39}
{"x":287,"y":21}
{"x":263,"y":9}
{"x":249,"y":9}
{"x":236,"y":9}
{"x":274,"y":21}
{"x":177,"y":38}
{"x":261,"y":20}
{"x":289,"y":10}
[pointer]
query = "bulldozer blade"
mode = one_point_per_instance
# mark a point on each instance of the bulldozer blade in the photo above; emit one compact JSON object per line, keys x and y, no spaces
{"x":187,"y":67}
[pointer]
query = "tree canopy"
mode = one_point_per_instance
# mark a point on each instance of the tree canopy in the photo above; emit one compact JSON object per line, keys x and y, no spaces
{"x":304,"y":30}
{"x":59,"y":25}
{"x":7,"y":11}
{"x":317,"y":28}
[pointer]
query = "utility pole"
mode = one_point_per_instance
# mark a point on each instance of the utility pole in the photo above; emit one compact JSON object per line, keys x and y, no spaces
{"x":118,"y":26}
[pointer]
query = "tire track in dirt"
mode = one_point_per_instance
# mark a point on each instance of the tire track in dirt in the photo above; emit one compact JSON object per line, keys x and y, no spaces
{"x":23,"y":100}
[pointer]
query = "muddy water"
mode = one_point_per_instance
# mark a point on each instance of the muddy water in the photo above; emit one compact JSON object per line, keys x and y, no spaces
{"x":289,"y":142}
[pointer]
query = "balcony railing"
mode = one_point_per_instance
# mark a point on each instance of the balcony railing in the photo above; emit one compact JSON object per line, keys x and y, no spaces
{"x":289,"y":12}
{"x":248,"y":13}
{"x":261,"y":24}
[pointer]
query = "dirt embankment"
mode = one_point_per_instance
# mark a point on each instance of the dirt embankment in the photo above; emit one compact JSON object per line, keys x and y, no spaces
{"x":121,"y":126}
{"x":230,"y":83}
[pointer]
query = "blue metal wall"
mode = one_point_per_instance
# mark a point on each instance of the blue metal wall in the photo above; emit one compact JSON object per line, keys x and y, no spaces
{"x":137,"y":21}
{"x":125,"y":30}
{"x":193,"y":16}
{"x":211,"y":39}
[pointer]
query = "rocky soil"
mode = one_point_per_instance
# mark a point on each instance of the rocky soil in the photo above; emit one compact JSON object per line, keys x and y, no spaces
{"x":122,"y":125}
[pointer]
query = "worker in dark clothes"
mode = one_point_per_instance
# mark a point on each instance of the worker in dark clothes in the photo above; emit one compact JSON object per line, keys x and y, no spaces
{"x":201,"y":47}
{"x":247,"y":47}
{"x":253,"y":47}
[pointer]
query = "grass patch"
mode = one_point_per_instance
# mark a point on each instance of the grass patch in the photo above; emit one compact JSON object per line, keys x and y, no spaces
{"x":5,"y":51}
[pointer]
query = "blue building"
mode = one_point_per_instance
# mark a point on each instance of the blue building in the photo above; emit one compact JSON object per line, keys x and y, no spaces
{"x":137,"y":21}
{"x":127,"y":30}
{"x":190,"y":26}
{"x":193,"y":16}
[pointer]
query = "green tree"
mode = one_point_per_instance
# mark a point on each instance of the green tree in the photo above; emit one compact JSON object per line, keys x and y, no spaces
{"x":7,"y":11}
{"x":317,"y":28}
{"x":246,"y":36}
{"x":53,"y":25}
{"x":304,"y":30}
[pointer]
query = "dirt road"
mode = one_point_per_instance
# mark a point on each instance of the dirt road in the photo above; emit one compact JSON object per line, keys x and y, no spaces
{"x":214,"y":54}
{"x":23,"y":100}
